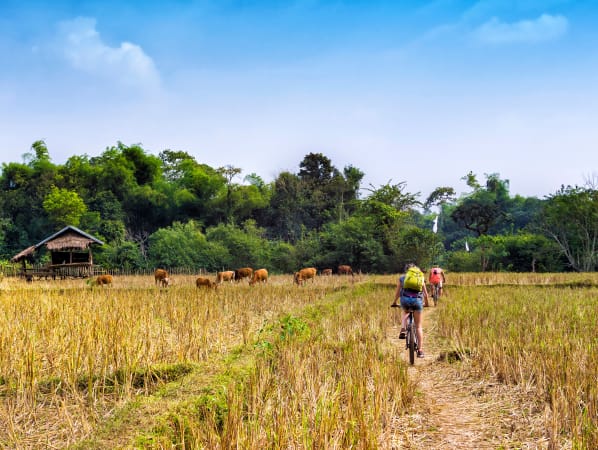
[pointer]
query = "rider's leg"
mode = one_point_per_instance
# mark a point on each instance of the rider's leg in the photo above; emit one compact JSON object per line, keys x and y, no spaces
{"x":418,"y":318}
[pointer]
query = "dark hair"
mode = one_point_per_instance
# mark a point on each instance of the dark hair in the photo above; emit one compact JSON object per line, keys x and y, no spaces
{"x":409,"y":266}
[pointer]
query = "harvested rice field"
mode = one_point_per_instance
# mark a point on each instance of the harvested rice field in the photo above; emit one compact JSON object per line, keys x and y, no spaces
{"x":511,"y":362}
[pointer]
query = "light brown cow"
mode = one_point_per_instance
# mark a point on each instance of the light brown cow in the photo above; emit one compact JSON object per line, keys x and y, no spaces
{"x":305,"y":274}
{"x":326,"y":272}
{"x":205,"y":282}
{"x":103,"y":280}
{"x":259,"y":276}
{"x":345,"y":270}
{"x":245,"y":272}
{"x":161,"y":277}
{"x":228,"y":275}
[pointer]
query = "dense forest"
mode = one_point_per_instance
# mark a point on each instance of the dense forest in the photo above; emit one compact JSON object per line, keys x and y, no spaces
{"x":172,"y":211}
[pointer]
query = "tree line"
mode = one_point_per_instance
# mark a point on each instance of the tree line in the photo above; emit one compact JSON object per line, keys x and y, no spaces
{"x":172,"y":211}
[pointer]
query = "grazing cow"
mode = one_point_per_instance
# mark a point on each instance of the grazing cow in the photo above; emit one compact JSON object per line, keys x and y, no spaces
{"x":305,"y":274}
{"x":228,"y":275}
{"x":259,"y":276}
{"x":205,"y":282}
{"x":161,"y":278}
{"x":345,"y":270}
{"x":326,"y":272}
{"x":102,"y":280}
{"x":245,"y":272}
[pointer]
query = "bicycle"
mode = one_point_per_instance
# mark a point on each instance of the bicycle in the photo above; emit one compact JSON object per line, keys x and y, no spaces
{"x":411,"y":342}
{"x":435,"y":293}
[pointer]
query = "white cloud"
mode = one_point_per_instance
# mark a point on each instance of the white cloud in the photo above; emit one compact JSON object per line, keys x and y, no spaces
{"x":487,"y":8}
{"x":544,"y":28}
{"x":81,"y":44}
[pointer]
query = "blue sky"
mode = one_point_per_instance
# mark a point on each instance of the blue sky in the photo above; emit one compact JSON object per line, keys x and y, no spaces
{"x":420,"y":92}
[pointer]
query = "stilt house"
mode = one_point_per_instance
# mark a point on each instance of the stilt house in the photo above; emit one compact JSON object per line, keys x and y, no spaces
{"x":70,"y":255}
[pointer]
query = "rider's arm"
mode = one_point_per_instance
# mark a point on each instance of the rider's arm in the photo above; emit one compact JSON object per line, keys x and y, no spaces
{"x":425,"y":291}
{"x":397,"y":292}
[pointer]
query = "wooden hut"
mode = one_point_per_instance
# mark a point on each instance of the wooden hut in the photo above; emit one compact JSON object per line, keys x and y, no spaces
{"x":70,"y":255}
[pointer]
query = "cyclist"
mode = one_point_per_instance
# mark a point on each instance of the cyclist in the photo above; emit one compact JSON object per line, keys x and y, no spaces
{"x":437,"y":278}
{"x":412,"y":299}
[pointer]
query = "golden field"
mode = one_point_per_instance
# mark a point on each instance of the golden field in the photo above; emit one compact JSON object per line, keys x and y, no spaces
{"x":277,"y":365}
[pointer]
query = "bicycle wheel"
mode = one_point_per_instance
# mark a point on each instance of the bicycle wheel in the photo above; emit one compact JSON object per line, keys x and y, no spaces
{"x":412,"y":343}
{"x":435,"y":294}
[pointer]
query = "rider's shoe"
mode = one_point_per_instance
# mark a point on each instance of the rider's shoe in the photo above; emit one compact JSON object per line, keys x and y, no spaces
{"x":402,"y":334}
{"x":420,"y":353}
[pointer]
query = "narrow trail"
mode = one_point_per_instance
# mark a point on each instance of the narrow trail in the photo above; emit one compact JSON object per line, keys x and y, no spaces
{"x":453,"y":410}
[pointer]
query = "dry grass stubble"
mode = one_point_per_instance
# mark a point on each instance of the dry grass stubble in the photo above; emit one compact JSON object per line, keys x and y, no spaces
{"x":457,"y":408}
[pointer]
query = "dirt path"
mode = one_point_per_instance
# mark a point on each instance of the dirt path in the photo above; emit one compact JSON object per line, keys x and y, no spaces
{"x":455,"y":411}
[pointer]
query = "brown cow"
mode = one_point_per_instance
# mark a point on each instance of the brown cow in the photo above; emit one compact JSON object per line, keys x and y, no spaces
{"x":205,"y":282}
{"x":260,"y":275}
{"x":228,"y":275}
{"x":326,"y":272}
{"x":102,"y":280}
{"x":161,"y":278}
{"x":245,"y":272}
{"x":305,"y":274}
{"x":345,"y":270}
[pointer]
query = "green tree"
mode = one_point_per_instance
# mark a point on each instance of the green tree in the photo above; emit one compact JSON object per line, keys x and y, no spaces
{"x":237,"y":203}
{"x":415,"y":245}
{"x":64,"y":207}
{"x":175,"y":164}
{"x":247,"y":245}
{"x":283,"y":257}
{"x":440,"y":196}
{"x":285,"y":216}
{"x":16,"y":207}
{"x":229,"y":173}
{"x":326,"y":194}
{"x":528,"y":252}
{"x":80,"y":175}
{"x":202,"y":184}
{"x":463,"y":261}
{"x":146,"y":168}
{"x":184,"y":245}
{"x":352,"y":241}
{"x":570,"y":218}
{"x":115,"y":173}
{"x":394,"y":196}
{"x":316,"y":169}
{"x":318,"y":197}
{"x":483,"y":208}
{"x":123,"y":255}
{"x":390,"y":208}
{"x":24,"y":188}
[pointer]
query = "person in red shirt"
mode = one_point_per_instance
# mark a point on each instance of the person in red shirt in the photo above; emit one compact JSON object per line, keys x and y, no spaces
{"x":437,"y":277}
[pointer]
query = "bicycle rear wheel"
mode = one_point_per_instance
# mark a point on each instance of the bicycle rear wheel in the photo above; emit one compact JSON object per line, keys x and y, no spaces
{"x":435,"y":294}
{"x":412,"y":343}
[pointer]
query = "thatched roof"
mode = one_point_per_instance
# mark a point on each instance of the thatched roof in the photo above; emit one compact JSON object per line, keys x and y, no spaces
{"x":28,"y":252}
{"x":69,"y":238}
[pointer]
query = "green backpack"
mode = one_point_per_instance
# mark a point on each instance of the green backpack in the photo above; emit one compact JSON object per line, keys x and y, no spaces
{"x":414,"y":279}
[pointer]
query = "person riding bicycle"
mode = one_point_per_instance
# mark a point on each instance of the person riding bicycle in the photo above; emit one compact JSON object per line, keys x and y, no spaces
{"x":437,"y":278}
{"x":412,"y":297}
